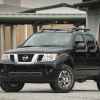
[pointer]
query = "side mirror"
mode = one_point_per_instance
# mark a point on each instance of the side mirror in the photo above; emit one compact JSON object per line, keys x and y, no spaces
{"x":80,"y":45}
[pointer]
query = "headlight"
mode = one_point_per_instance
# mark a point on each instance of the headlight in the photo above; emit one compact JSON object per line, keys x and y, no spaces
{"x":49,"y":57}
{"x":5,"y":57}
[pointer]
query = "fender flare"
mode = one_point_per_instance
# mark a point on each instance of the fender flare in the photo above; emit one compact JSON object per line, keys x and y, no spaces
{"x":64,"y":59}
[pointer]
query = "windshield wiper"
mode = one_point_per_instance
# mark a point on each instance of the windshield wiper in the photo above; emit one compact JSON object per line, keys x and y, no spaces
{"x":28,"y":46}
{"x":49,"y":46}
{"x":43,"y":46}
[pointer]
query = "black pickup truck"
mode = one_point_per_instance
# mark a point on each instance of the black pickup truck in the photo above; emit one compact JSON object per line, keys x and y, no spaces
{"x":57,"y":58}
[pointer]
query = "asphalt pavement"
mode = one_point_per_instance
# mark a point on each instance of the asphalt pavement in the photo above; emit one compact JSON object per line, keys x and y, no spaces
{"x":81,"y":91}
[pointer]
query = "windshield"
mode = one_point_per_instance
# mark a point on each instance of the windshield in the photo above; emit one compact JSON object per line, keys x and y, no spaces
{"x":48,"y":39}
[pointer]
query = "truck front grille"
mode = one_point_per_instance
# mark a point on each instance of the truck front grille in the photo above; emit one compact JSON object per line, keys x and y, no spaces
{"x":25,"y":57}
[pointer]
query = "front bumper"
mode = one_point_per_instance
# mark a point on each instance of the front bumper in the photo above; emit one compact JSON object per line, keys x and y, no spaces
{"x":39,"y":72}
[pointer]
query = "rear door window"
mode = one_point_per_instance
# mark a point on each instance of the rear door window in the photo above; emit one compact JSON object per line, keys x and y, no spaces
{"x":90,"y":42}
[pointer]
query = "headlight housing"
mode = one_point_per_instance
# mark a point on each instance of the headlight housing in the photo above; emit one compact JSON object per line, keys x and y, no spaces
{"x":49,"y":57}
{"x":5,"y":57}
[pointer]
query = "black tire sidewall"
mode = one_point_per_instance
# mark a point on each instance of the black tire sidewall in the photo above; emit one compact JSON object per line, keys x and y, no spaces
{"x":54,"y":84}
{"x":5,"y":85}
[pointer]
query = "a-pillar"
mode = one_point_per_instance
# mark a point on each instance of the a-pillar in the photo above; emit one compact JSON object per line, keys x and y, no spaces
{"x":34,"y":28}
{"x":1,"y":39}
{"x":13,"y":37}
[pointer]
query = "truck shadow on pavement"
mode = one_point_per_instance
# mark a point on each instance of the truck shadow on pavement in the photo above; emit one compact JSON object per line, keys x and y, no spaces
{"x":50,"y":91}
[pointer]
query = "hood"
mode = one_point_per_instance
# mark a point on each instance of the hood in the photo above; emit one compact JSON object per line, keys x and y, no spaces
{"x":39,"y":50}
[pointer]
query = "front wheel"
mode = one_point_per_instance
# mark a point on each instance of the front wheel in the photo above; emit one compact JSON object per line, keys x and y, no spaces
{"x":12,"y":86}
{"x":64,"y":80}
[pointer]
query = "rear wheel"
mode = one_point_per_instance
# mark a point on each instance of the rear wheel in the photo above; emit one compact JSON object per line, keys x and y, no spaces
{"x":64,"y":80}
{"x":12,"y":86}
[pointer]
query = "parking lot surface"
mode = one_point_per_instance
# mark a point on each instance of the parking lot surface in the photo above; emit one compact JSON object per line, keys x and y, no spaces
{"x":81,"y":91}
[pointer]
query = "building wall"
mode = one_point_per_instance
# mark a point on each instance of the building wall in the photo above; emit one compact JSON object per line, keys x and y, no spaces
{"x":93,"y":21}
{"x":7,"y":38}
{"x":20,"y":29}
{"x":41,"y":3}
{"x":13,"y":2}
{"x":37,"y":3}
{"x":1,"y":2}
{"x":27,"y":3}
{"x":20,"y":35}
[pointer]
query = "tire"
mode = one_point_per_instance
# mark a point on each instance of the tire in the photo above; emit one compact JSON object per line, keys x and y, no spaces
{"x":11,"y":86}
{"x":64,"y":80}
{"x":98,"y":85}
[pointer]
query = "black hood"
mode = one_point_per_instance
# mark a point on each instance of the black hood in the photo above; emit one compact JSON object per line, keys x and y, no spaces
{"x":39,"y":50}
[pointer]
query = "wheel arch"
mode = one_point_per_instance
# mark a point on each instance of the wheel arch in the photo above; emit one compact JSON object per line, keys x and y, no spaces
{"x":65,"y":59}
{"x":69,"y":61}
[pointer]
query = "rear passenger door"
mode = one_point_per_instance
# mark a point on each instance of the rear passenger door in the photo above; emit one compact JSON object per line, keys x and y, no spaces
{"x":80,"y":52}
